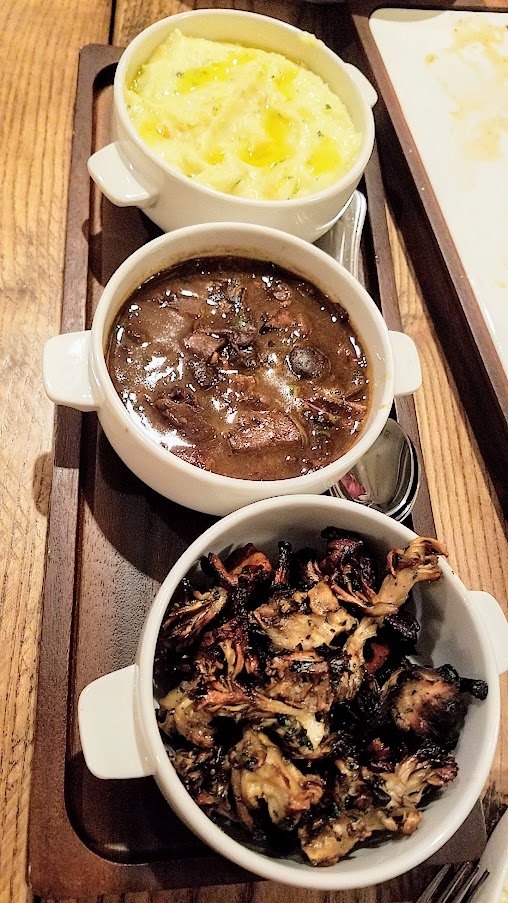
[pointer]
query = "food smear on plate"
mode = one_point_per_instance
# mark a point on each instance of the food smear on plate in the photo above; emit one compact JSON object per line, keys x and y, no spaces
{"x":473,"y":70}
{"x":241,"y":120}
{"x":290,"y":701}
{"x":241,"y":368}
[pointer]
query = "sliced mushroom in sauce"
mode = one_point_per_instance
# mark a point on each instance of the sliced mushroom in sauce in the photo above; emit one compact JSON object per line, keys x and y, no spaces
{"x":241,"y":367}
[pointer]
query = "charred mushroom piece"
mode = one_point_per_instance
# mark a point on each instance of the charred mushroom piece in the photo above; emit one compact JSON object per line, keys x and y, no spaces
{"x":182,"y":717}
{"x":348,"y":566}
{"x":325,"y":841}
{"x":416,"y":563}
{"x":477,"y":688}
{"x":300,"y":730}
{"x":190,"y":709}
{"x":306,"y":568}
{"x":205,"y":774}
{"x":321,"y":599}
{"x":378,"y":655}
{"x":408,"y":782}
{"x":246,"y":563}
{"x":260,"y":772}
{"x":281,"y":576}
{"x":352,"y":789}
{"x":290,"y":622}
{"x":300,"y":678}
{"x":405,"y":625}
{"x":224,"y":648}
{"x":228,"y":647}
{"x":350,"y":680}
{"x":425,"y":702}
{"x":184,"y":623}
{"x":339,"y":550}
{"x":222,"y":698}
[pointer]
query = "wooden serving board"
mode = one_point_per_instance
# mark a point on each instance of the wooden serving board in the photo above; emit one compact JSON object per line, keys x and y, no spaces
{"x":111,"y":542}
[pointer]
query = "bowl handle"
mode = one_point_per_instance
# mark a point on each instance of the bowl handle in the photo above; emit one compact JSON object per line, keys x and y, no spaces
{"x":65,"y":371}
{"x":408,"y":372}
{"x":110,"y":735}
{"x":496,"y":625}
{"x":117,"y":180}
{"x":363,"y":83}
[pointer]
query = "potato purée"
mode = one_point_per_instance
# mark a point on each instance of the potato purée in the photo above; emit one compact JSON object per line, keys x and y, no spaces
{"x":240,"y":120}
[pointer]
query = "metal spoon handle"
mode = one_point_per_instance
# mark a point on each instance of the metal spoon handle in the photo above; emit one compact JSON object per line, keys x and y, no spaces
{"x":343,"y":241}
{"x":353,"y":219}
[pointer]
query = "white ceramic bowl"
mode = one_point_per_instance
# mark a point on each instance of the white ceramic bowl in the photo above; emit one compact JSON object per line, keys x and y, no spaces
{"x":120,"y":737}
{"x":131,"y":174}
{"x":75,"y":372}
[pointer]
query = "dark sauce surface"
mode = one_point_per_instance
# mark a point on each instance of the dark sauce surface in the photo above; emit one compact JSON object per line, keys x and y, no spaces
{"x":240,"y":367}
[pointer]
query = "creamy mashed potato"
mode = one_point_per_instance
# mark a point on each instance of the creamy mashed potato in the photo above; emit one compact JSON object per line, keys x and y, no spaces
{"x":241,"y":120}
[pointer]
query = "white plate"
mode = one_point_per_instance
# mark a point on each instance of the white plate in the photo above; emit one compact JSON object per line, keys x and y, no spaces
{"x":495,"y":859}
{"x":450,"y":73}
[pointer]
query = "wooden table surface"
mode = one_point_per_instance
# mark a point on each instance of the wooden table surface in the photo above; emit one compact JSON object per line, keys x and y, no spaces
{"x":39,"y":44}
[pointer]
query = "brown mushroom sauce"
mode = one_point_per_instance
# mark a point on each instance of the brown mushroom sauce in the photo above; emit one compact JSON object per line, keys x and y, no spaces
{"x":240,"y":368}
{"x":290,"y":702}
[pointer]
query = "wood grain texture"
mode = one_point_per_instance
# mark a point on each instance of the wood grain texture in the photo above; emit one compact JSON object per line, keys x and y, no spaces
{"x":38,"y":51}
{"x":38,"y":63}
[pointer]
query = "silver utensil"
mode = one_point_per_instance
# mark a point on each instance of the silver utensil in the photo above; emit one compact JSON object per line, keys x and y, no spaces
{"x":342,"y":241}
{"x":462,"y":887}
{"x":387,"y":477}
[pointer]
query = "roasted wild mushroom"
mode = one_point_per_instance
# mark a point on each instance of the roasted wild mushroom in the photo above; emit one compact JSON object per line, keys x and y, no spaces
{"x":290,"y":702}
{"x":247,"y":563}
{"x":370,"y":802}
{"x":427,"y":702}
{"x":304,"y":620}
{"x":328,"y":839}
{"x":300,"y":678}
{"x":352,"y":676}
{"x":406,"y":567}
{"x":206,"y":774}
{"x":183,"y":624}
{"x":191,"y":707}
{"x":259,"y":772}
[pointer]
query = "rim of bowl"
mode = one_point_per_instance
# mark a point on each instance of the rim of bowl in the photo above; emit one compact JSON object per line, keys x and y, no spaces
{"x":353,"y":173}
{"x":305,"y":875}
{"x":324,"y":475}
